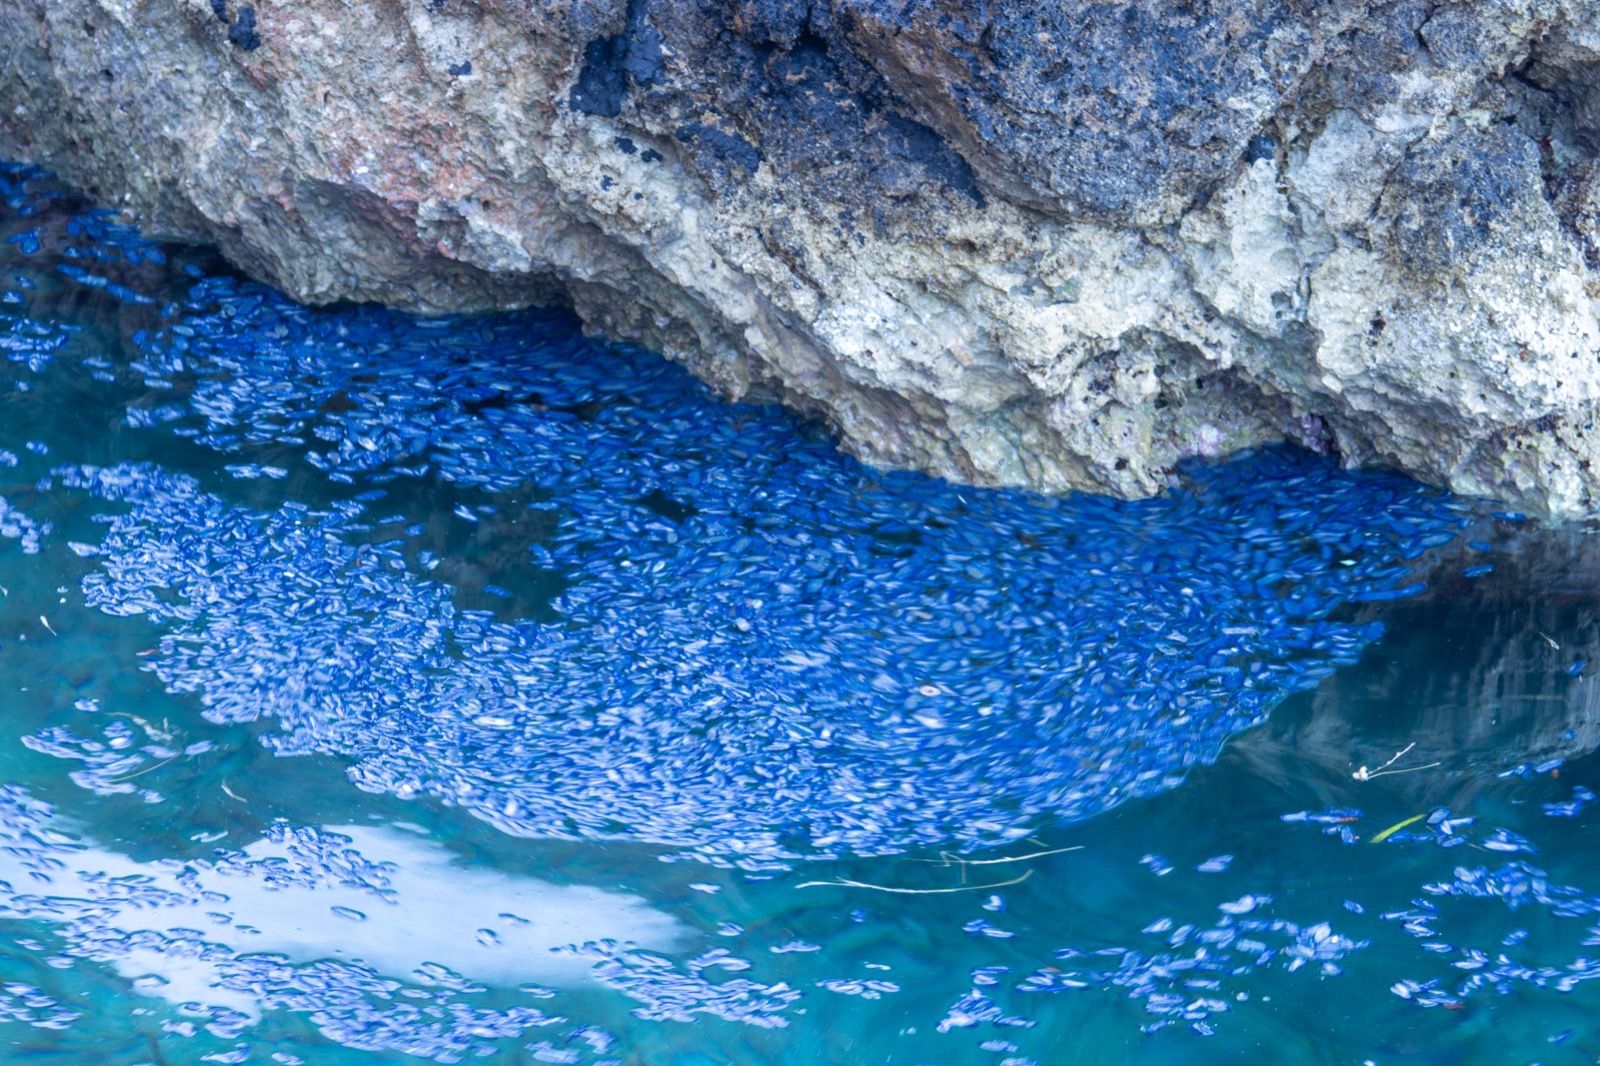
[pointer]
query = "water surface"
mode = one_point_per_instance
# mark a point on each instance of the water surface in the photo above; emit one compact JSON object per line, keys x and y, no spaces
{"x":377,"y":687}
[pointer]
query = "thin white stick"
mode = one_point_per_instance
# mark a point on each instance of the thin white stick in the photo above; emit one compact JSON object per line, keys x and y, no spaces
{"x":946,"y":859}
{"x":146,"y":770}
{"x":1402,"y":770}
{"x":1363,"y":774}
{"x":843,"y":883}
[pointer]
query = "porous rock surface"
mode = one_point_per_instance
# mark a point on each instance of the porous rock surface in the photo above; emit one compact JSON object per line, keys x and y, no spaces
{"x":1055,"y":244}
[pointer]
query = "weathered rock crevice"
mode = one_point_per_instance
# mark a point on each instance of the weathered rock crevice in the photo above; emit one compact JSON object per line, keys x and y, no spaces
{"x":1063,"y":245}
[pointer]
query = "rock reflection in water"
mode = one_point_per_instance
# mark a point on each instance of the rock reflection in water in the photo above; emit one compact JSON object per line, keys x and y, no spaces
{"x":1525,"y":639}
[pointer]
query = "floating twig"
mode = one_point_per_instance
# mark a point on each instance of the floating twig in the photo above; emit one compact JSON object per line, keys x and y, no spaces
{"x":947,"y":859}
{"x":846,"y":883}
{"x":147,"y":769}
{"x":1426,"y":765}
{"x":1363,"y":774}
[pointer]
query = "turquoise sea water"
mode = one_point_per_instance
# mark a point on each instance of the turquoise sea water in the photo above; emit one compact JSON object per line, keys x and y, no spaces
{"x":384,"y":690}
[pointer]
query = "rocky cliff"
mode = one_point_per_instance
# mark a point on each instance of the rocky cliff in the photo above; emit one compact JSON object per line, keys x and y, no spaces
{"x":1058,"y":244}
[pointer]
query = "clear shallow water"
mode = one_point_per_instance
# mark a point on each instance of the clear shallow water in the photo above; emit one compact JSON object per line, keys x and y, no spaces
{"x":378,"y":687}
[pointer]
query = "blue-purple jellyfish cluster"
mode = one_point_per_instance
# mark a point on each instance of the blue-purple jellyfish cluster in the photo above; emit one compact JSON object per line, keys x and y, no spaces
{"x":489,"y":564}
{"x":714,"y":632}
{"x":759,"y":649}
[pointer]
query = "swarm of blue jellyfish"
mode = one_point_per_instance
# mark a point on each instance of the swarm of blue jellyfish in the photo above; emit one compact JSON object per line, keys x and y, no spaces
{"x":693,"y":624}
{"x":490,"y":564}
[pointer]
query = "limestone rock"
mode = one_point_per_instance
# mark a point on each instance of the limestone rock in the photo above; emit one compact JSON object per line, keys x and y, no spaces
{"x":1055,"y":244}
